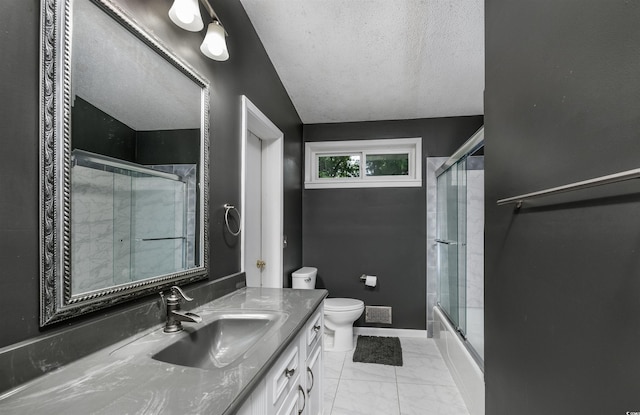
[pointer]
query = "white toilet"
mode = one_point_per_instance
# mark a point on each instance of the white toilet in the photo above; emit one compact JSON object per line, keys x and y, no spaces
{"x":339,"y":313}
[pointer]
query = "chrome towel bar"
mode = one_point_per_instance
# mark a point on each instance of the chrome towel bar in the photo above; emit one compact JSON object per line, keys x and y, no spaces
{"x":585,"y":184}
{"x":160,"y":239}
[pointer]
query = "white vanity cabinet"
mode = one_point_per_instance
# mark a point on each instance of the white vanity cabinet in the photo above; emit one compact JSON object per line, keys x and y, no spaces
{"x":255,"y":404}
{"x":311,"y":341}
{"x":294,"y":384}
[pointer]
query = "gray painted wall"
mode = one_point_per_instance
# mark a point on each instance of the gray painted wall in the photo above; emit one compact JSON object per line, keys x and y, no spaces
{"x":349,"y":232}
{"x":248,"y":71}
{"x":563,"y":274}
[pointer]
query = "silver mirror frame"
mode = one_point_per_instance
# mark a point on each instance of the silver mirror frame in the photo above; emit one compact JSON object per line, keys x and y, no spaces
{"x":57,"y":302}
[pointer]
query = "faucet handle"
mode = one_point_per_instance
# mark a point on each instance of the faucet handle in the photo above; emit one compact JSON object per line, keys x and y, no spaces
{"x":177,"y":292}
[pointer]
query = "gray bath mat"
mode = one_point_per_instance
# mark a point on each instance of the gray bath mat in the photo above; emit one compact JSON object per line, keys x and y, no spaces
{"x":381,"y":350}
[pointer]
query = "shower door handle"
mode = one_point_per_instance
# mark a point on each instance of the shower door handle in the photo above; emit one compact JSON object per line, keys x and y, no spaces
{"x":446,"y":242}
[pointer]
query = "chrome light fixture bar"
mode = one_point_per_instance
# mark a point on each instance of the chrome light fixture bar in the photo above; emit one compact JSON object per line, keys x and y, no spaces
{"x":186,"y":14}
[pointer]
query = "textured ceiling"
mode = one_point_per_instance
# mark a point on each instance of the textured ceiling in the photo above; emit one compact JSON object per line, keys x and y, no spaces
{"x":362,"y":60}
{"x":125,"y":78}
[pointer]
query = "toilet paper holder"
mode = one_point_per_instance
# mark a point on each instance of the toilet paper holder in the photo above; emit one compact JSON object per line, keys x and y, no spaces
{"x":369,"y":280}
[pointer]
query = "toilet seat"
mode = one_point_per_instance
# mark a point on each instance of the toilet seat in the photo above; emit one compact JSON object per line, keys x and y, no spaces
{"x":342,"y":304}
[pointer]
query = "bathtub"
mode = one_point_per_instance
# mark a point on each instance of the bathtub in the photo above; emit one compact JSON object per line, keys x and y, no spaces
{"x":464,"y":369}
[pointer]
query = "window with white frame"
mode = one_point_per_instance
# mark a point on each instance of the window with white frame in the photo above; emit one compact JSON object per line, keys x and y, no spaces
{"x":363,"y":163}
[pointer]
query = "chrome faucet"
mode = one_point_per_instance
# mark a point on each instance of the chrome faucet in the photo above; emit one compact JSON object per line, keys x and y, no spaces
{"x":175,"y":317}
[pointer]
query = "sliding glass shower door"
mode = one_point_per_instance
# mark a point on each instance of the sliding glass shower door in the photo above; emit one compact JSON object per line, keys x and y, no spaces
{"x":451,"y":294}
{"x":130,"y":222}
{"x":460,"y":246}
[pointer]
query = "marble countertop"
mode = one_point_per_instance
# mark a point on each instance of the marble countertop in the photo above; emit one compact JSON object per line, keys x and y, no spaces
{"x":124,"y":379}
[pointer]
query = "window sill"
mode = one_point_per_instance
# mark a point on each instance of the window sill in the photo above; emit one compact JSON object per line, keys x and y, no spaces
{"x":363,"y":184}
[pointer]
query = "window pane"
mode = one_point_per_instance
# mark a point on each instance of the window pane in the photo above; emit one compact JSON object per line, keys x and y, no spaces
{"x":387,"y":165}
{"x":332,"y":167}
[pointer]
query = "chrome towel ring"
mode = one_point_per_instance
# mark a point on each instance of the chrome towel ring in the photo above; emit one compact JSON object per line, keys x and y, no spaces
{"x":227,"y":208}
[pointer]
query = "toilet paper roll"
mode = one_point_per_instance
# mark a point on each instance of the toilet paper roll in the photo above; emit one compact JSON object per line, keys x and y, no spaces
{"x":371,"y":281}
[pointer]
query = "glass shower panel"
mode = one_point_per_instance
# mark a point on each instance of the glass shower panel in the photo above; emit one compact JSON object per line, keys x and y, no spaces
{"x":122,"y":199}
{"x":475,"y":253}
{"x":158,"y":226}
{"x":461,"y":186}
{"x":460,"y":243}
{"x":130,"y":222}
{"x":453,"y":212}
{"x":447,"y":241}
{"x":92,"y":222}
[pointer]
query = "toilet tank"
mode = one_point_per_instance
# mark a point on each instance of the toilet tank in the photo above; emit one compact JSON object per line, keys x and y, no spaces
{"x":304,"y":278}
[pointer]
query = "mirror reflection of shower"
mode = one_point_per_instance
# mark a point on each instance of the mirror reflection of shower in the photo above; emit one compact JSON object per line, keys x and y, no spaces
{"x":460,"y":243}
{"x":130,"y":222}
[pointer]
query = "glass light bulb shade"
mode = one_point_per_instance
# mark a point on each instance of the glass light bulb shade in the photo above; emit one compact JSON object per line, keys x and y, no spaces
{"x":186,"y":14}
{"x":214,"y":45}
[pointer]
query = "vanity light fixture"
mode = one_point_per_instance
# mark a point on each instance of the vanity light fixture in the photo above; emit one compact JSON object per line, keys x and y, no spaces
{"x":186,"y":14}
{"x":214,"y":45}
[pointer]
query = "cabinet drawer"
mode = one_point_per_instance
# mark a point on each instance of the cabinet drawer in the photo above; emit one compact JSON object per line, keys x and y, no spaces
{"x":314,"y":330}
{"x":284,"y":375}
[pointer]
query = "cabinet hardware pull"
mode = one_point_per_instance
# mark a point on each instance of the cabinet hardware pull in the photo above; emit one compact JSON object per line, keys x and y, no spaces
{"x":316,"y":328}
{"x":313,"y":380}
{"x":304,"y":400}
{"x":289,"y":372}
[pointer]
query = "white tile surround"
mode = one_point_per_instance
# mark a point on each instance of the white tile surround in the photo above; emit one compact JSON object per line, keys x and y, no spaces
{"x":422,"y":386}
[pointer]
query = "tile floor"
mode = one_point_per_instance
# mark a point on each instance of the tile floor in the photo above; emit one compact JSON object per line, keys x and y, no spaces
{"x":422,"y":386}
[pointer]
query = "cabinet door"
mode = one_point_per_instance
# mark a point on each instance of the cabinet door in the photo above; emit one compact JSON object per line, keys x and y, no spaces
{"x":284,"y":376}
{"x":314,"y":382}
{"x":295,"y":403}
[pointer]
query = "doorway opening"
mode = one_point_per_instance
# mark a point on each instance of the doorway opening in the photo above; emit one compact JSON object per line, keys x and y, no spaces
{"x":261,"y":198}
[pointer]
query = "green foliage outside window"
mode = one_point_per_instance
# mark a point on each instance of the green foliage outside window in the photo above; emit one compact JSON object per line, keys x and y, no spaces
{"x":331,"y":167}
{"x":387,"y":165}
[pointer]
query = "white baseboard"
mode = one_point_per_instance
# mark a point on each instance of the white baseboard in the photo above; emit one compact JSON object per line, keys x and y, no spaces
{"x":378,"y":331}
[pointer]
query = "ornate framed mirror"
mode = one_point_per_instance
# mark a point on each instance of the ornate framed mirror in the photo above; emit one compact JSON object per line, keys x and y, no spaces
{"x":124,"y":161}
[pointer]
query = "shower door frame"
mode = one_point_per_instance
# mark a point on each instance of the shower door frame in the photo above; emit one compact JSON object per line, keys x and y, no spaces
{"x":451,"y":166}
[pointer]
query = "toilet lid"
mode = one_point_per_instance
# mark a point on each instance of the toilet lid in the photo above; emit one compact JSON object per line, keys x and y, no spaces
{"x":342,"y":304}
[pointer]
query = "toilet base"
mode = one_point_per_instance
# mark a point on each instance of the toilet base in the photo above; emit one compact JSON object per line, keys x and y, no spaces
{"x":340,"y":340}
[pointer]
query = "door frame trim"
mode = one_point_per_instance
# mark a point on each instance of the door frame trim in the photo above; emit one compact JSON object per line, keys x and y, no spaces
{"x":255,"y":121}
